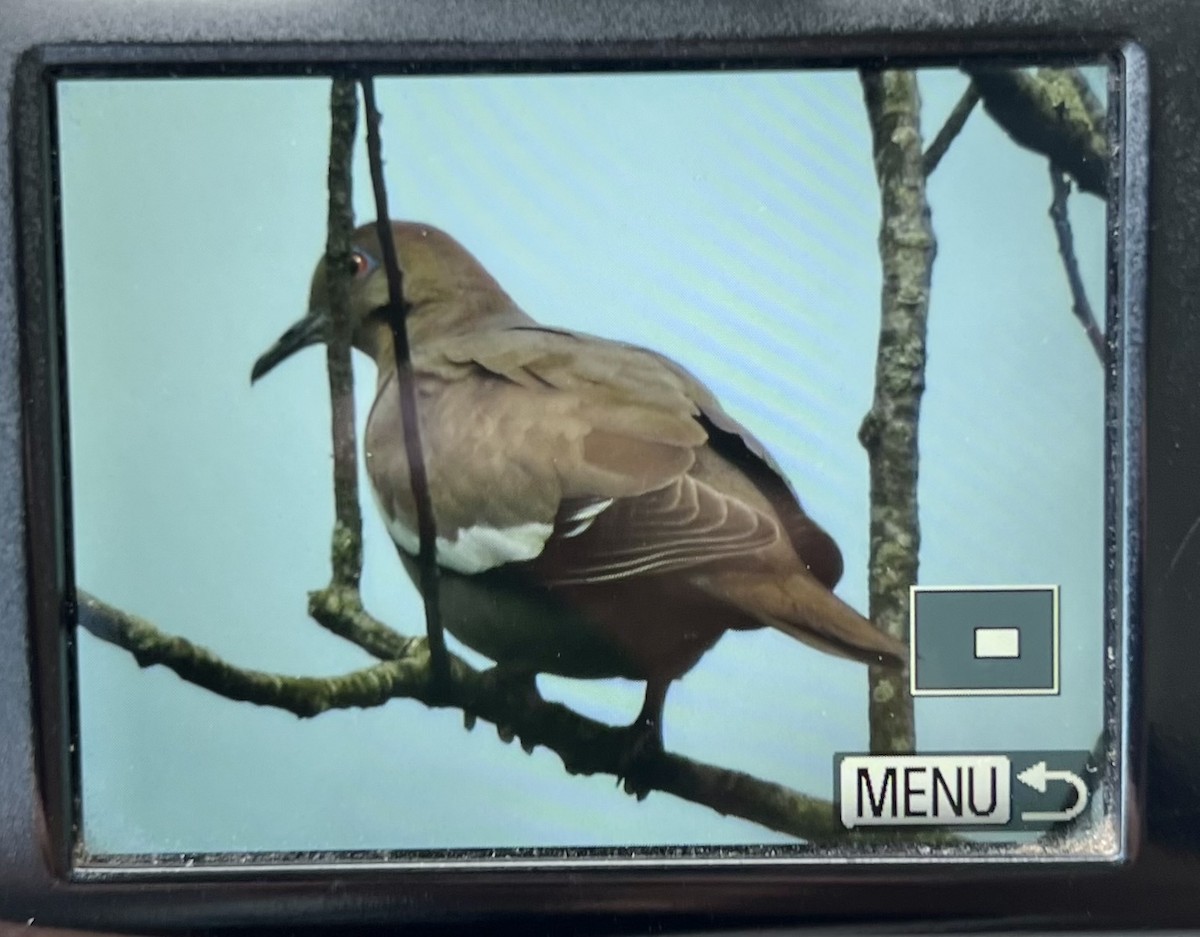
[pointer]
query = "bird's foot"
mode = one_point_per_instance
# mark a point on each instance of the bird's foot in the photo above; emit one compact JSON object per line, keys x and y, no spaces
{"x":516,"y":685}
{"x":641,"y":743}
{"x":518,"y":689}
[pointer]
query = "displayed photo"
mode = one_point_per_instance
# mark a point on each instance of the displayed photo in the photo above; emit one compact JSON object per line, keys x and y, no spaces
{"x":521,"y":467}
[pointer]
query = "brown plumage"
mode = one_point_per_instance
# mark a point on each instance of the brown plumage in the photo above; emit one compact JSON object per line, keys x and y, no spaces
{"x":598,"y":513}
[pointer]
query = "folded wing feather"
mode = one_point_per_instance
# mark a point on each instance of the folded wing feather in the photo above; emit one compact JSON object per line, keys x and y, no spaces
{"x":631,"y":503}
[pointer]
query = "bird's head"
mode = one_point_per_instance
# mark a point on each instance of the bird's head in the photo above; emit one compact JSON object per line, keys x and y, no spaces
{"x":446,"y":290}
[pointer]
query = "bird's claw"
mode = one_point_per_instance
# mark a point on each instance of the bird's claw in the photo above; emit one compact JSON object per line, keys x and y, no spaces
{"x":641,"y":793}
{"x":518,"y":688}
{"x":641,"y":745}
{"x":507,"y":733}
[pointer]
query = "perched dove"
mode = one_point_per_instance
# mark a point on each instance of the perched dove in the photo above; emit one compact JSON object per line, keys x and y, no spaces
{"x":598,"y":514}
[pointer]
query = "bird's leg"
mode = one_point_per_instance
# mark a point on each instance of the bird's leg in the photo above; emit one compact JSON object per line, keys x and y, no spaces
{"x":649,"y":720}
{"x":644,"y":738}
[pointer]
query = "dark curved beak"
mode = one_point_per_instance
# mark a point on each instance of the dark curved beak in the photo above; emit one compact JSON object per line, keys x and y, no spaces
{"x":308,"y":331}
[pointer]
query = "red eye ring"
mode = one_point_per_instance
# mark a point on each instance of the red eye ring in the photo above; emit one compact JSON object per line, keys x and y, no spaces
{"x":358,"y":264}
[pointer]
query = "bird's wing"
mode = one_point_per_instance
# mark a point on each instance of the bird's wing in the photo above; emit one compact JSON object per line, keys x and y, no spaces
{"x":624,"y":371}
{"x":632,"y":502}
{"x":732,"y":440}
{"x":683,"y":525}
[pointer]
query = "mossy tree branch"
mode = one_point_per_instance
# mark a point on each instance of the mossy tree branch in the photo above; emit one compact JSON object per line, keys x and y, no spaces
{"x":346,"y":550}
{"x":303,"y":696}
{"x":1053,"y":113}
{"x":889,"y":430}
{"x":584,"y":745}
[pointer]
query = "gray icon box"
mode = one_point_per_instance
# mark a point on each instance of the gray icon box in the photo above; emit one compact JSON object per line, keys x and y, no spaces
{"x":984,"y":640}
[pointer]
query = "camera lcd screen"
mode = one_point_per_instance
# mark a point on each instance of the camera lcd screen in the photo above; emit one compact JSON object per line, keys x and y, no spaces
{"x":763,"y":414}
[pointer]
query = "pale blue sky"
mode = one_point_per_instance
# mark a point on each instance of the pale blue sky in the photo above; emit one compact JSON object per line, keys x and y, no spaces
{"x":729,"y":220}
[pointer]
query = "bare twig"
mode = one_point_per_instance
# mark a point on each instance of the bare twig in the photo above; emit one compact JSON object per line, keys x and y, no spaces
{"x":406,"y":383}
{"x":584,"y":745}
{"x":950,"y":129}
{"x":1053,"y":113}
{"x":889,"y":430}
{"x":1066,"y":248}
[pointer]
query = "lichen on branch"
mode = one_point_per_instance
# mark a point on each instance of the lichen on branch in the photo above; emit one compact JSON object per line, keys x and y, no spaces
{"x":1054,"y":113}
{"x":889,"y":430}
{"x":346,"y":548}
{"x":303,"y":696}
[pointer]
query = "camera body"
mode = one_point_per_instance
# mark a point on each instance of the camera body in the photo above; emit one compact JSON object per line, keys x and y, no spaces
{"x":1137,"y":780}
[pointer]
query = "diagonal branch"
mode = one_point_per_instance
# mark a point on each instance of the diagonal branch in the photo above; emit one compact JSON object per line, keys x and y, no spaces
{"x":1055,"y":113}
{"x":1066,"y":248}
{"x":406,"y":384}
{"x":950,"y":129}
{"x":584,"y":745}
{"x":889,"y":430}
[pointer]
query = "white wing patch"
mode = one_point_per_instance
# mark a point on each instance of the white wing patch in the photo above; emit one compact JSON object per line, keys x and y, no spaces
{"x":474,"y":549}
{"x":584,"y":517}
{"x":589,"y":511}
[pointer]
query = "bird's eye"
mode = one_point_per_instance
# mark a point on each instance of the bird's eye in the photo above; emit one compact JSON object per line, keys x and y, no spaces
{"x":360,"y":264}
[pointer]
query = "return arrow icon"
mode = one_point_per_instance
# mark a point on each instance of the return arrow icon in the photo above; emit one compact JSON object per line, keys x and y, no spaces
{"x":1037,"y":776}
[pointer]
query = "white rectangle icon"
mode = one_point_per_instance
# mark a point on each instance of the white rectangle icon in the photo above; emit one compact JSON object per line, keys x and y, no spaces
{"x":997,"y":642}
{"x":925,"y":790}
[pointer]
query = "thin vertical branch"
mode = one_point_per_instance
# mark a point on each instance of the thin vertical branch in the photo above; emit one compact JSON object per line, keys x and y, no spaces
{"x":406,"y":384}
{"x":338,"y":607}
{"x":1080,"y":306}
{"x":346,"y":551}
{"x":889,"y":430}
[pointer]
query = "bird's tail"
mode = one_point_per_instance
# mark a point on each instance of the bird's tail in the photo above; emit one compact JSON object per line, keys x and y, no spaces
{"x":800,"y":606}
